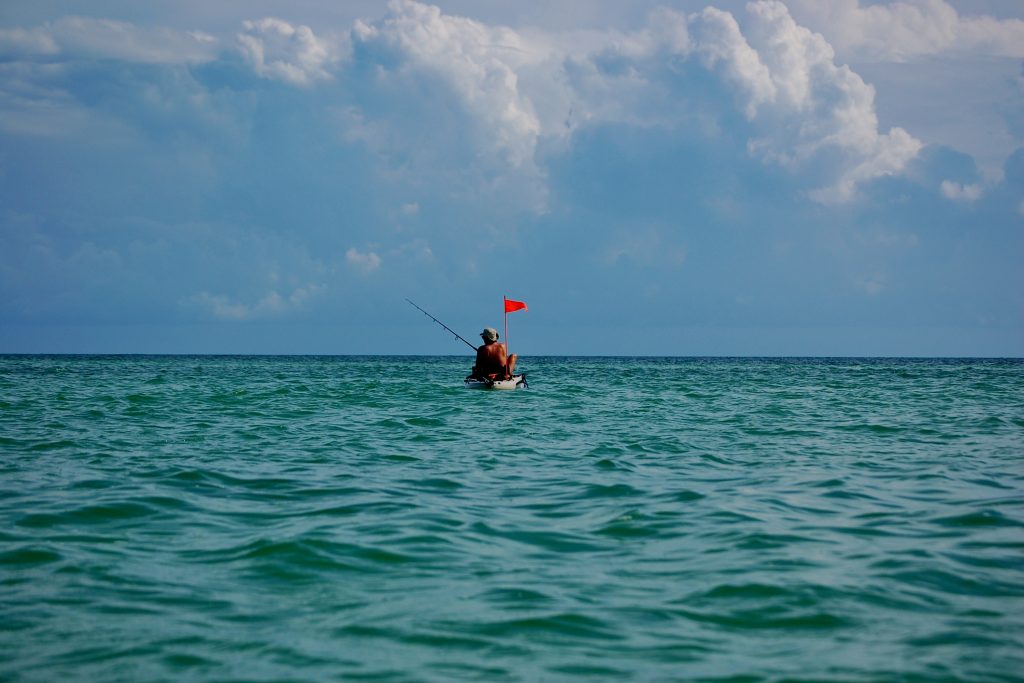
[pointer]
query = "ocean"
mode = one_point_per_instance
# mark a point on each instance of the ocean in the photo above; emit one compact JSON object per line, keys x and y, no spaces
{"x":211,"y":518}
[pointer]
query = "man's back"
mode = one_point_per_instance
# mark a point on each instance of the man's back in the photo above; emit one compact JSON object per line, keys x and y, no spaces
{"x":491,"y":359}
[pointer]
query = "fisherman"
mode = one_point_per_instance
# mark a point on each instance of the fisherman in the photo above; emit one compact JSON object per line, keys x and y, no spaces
{"x":491,"y":360}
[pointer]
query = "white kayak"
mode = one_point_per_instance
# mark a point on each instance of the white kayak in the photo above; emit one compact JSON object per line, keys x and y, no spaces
{"x":517,"y":382}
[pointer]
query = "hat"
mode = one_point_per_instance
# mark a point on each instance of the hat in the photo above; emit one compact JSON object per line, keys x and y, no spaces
{"x":489,"y":334}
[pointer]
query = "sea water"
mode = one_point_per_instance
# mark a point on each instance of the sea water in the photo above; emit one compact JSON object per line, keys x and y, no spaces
{"x":368,"y":518}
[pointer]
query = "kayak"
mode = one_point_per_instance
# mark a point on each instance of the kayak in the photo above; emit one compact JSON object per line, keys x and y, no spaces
{"x":517,"y":382}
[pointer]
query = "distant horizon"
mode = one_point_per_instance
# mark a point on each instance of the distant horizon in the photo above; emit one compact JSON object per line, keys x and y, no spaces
{"x":468,"y":356}
{"x":531,"y":334}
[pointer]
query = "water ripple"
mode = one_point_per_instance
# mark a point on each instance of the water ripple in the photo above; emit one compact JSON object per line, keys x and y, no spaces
{"x":223,"y":518}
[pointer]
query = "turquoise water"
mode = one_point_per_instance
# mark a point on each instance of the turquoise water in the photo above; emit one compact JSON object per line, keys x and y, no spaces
{"x":291,"y":518}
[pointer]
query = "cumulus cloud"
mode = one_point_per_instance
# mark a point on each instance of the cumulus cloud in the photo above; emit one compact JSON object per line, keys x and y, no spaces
{"x":522,"y":96}
{"x":525,"y":93}
{"x":278,"y":50}
{"x":720,"y":43}
{"x":898,"y":31}
{"x":89,"y":38}
{"x":480,"y":64}
{"x":800,"y":103}
{"x":362,"y":262}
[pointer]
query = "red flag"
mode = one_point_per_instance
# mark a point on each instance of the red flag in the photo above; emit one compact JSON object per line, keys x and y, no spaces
{"x":514,"y":306}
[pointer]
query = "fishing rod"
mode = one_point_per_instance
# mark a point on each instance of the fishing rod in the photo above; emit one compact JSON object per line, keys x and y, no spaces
{"x":443,"y":325}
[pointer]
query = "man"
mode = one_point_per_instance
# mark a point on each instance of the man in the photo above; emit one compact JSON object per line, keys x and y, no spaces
{"x":491,"y":360}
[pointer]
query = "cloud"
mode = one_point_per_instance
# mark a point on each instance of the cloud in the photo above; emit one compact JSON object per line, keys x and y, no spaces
{"x":442,"y":104}
{"x":417,"y":250}
{"x":278,"y":50}
{"x":362,"y":262}
{"x":89,"y":38}
{"x":720,"y":43}
{"x":20,"y":43}
{"x":477,"y":62}
{"x":523,"y":96}
{"x":802,"y":106}
{"x":960,"y":192}
{"x":644,"y":246}
{"x":75,"y":77}
{"x":272,"y":304}
{"x":221,"y":307}
{"x":509,"y":101}
{"x":872,"y":284}
{"x":899,"y":31}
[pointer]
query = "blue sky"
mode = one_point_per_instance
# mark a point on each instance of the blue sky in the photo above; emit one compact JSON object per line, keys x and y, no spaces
{"x":811,"y":177}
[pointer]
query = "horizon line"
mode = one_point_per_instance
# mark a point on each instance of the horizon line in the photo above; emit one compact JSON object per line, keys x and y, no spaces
{"x":7,"y":354}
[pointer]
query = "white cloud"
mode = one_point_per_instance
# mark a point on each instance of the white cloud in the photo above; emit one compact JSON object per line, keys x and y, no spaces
{"x":29,"y":108}
{"x":520,"y":96}
{"x":960,"y":192}
{"x":20,"y":43}
{"x":278,"y":50}
{"x":363,"y":262}
{"x":417,"y":250}
{"x":872,"y":284}
{"x":719,"y":43}
{"x":478,"y":62}
{"x":897,"y":31}
{"x":271,"y":304}
{"x":645,"y":245}
{"x":108,"y":103}
{"x":221,"y":307}
{"x":88,"y":38}
{"x":523,"y":91}
{"x":801,"y":103}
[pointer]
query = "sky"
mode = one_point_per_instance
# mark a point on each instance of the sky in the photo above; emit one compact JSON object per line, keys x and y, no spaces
{"x":677,"y":178}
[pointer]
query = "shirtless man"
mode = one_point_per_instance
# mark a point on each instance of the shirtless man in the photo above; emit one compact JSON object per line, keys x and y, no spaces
{"x":491,"y":361}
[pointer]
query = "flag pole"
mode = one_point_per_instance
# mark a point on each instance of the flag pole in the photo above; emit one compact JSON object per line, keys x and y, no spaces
{"x":505,"y":307}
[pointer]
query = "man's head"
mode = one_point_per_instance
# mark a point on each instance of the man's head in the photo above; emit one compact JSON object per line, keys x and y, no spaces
{"x":489,"y":334}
